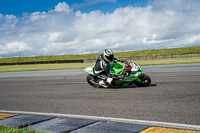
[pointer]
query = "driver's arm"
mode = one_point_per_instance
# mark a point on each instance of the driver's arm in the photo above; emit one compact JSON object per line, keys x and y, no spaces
{"x":118,"y":59}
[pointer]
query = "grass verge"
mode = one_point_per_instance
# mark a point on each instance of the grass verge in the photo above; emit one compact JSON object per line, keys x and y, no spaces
{"x":16,"y":130}
{"x":37,"y":67}
{"x":168,"y":61}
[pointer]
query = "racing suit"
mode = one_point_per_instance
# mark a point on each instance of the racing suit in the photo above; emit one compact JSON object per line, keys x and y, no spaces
{"x":102,"y":70}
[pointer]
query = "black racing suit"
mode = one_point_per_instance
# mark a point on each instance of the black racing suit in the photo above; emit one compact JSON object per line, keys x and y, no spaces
{"x":102,"y":70}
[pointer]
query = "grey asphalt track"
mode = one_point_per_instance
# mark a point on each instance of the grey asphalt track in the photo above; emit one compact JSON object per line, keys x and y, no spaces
{"x":173,"y":96}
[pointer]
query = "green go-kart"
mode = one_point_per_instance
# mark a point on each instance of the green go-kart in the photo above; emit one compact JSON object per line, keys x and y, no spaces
{"x":132,"y":75}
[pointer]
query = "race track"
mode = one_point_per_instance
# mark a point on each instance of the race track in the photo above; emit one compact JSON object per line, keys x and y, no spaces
{"x":173,"y":96}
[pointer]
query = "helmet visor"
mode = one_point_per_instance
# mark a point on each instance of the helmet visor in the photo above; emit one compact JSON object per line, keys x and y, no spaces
{"x":109,"y":58}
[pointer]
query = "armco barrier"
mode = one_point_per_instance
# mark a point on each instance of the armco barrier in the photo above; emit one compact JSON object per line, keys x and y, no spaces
{"x":43,"y":62}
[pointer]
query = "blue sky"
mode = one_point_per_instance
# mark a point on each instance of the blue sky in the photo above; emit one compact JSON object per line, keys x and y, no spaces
{"x":18,"y":7}
{"x":54,"y":27}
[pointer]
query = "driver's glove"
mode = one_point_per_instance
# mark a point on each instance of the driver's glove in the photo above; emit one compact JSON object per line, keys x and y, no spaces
{"x":123,"y":61}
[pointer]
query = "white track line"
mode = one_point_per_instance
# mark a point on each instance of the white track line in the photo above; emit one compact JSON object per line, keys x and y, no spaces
{"x":109,"y":119}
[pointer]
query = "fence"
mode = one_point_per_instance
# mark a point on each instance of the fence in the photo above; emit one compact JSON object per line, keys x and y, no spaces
{"x":43,"y":62}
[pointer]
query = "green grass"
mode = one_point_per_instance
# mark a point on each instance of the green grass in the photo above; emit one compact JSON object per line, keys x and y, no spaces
{"x":168,"y":61}
{"x":184,"y":50}
{"x":83,"y":65}
{"x":36,"y":67}
{"x":16,"y":130}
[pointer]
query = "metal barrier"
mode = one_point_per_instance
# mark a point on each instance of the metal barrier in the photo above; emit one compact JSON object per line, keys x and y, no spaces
{"x":43,"y":62}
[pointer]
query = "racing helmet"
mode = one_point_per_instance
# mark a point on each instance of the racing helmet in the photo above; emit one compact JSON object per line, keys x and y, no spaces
{"x":108,"y":55}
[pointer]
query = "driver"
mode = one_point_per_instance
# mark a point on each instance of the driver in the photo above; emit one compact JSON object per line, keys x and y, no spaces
{"x":102,"y":70}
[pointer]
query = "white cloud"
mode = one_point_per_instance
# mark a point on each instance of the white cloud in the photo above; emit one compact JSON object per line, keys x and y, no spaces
{"x":38,"y":15}
{"x":64,"y":31}
{"x":15,"y":48}
{"x":7,"y":22}
{"x":62,"y":7}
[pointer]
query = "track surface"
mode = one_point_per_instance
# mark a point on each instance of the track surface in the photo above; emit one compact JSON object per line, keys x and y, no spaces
{"x":173,"y":97}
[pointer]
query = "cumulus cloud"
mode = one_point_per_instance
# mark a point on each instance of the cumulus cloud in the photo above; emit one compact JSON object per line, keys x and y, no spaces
{"x":161,"y":24}
{"x":62,"y":7}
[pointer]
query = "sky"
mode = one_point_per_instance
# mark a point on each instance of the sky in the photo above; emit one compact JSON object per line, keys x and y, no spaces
{"x":55,"y":27}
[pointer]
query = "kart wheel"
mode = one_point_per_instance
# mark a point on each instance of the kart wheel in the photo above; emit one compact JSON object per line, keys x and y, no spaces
{"x":91,"y":79}
{"x":145,"y":81}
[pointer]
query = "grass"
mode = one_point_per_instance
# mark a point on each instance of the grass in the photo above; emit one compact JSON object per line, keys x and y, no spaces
{"x":184,"y":50}
{"x":168,"y":61}
{"x":83,"y":65}
{"x":36,"y":67}
{"x":16,"y":130}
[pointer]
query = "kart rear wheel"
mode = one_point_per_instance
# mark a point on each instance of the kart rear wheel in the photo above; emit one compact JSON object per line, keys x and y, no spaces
{"x":145,"y":81}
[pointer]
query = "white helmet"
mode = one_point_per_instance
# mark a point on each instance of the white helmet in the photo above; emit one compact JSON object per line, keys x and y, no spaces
{"x":108,"y":55}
